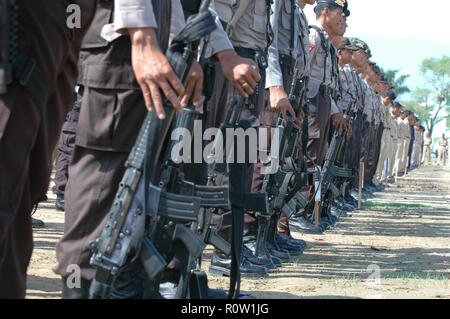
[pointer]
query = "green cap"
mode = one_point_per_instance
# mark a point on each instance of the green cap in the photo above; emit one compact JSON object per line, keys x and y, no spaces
{"x":360,"y":44}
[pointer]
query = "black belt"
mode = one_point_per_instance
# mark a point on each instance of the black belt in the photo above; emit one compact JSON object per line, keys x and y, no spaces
{"x":256,"y":55}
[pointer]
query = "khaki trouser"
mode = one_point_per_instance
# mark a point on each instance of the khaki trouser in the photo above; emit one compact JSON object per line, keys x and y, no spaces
{"x":391,"y":157}
{"x":398,"y":156}
{"x":384,"y":152}
{"x":426,"y":158}
{"x":442,"y":155}
{"x":416,"y":154}
{"x":405,"y":153}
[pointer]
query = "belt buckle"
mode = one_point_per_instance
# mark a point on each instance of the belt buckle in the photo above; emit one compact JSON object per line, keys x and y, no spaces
{"x":260,"y":57}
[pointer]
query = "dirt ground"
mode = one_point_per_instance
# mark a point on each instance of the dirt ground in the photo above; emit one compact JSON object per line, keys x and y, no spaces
{"x":396,"y":246}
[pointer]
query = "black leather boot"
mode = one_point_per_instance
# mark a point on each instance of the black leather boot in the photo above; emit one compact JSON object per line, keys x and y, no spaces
{"x":302,"y":224}
{"x":284,"y":233}
{"x":37,"y":223}
{"x":272,"y":245}
{"x":221,"y":266}
{"x":256,"y":244}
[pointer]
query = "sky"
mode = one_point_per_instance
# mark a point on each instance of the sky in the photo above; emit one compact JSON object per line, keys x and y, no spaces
{"x":400,"y":33}
{"x":399,"y":19}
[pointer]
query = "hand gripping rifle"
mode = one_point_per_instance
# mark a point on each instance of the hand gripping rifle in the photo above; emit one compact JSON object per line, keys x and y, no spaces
{"x":125,"y":236}
{"x":332,"y":169}
{"x":283,"y":185}
{"x":222,"y":161}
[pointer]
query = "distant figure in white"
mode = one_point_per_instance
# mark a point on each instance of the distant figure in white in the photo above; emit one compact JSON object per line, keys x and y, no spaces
{"x":427,"y":149}
{"x":443,"y":145}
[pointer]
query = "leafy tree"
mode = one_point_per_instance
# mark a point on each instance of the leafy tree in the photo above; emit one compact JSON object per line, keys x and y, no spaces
{"x":431,"y":100}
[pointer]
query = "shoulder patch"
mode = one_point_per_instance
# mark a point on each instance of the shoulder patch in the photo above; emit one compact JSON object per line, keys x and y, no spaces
{"x":311,"y":47}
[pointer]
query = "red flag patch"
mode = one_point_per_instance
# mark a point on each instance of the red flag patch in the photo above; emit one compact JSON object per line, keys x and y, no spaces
{"x":311,"y":47}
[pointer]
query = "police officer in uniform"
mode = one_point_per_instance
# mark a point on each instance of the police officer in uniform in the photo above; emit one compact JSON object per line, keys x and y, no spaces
{"x":289,"y":50}
{"x":427,"y":142}
{"x":395,"y":135}
{"x":33,"y":103}
{"x":386,"y":141}
{"x":358,"y":142}
{"x":124,"y":69}
{"x":248,"y":25}
{"x":322,"y":108}
{"x":400,"y":142}
{"x":443,"y":145}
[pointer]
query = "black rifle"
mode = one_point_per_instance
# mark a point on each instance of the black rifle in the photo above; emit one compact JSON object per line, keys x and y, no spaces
{"x":283,"y":185}
{"x":138,"y":204}
{"x":332,"y":171}
{"x":221,"y":163}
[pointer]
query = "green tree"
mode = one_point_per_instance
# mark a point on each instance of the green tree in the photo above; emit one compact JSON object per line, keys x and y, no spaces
{"x":436,"y":96}
{"x":397,"y":81}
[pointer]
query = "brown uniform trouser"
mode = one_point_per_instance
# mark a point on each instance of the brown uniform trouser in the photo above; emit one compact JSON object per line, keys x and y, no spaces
{"x":28,"y":135}
{"x":319,"y":127}
{"x":94,"y":178}
{"x":111,"y":115}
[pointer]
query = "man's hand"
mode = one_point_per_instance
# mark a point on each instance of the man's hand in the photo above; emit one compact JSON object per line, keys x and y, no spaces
{"x":153,"y":71}
{"x":279,"y":102}
{"x":193,"y":85}
{"x":242,"y":73}
{"x":350,"y":128}
{"x":339,"y":121}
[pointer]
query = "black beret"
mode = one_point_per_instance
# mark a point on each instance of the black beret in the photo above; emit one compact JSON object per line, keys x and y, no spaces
{"x":343,"y":4}
{"x":391,"y":94}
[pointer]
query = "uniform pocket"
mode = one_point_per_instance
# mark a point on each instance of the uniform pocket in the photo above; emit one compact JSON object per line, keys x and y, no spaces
{"x":260,"y":16}
{"x":286,"y":14}
{"x":103,"y":16}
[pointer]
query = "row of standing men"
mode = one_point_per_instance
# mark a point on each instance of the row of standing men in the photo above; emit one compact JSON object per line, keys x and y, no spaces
{"x":121,"y":69}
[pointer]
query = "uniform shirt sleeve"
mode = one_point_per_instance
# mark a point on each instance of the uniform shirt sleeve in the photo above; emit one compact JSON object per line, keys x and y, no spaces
{"x":177,"y":21}
{"x":316,"y":73}
{"x":218,"y":41}
{"x":133,"y":14}
{"x":274,"y":76}
{"x":334,"y":108}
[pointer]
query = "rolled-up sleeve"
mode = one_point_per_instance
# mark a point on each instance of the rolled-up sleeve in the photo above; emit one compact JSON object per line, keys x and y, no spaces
{"x":334,"y":107}
{"x":133,"y":14}
{"x":274,"y":77}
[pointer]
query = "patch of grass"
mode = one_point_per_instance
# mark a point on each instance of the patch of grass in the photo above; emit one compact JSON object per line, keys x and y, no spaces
{"x":296,"y":262}
{"x":392,"y":205}
{"x":368,"y":205}
{"x":348,"y":280}
{"x":406,"y":276}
